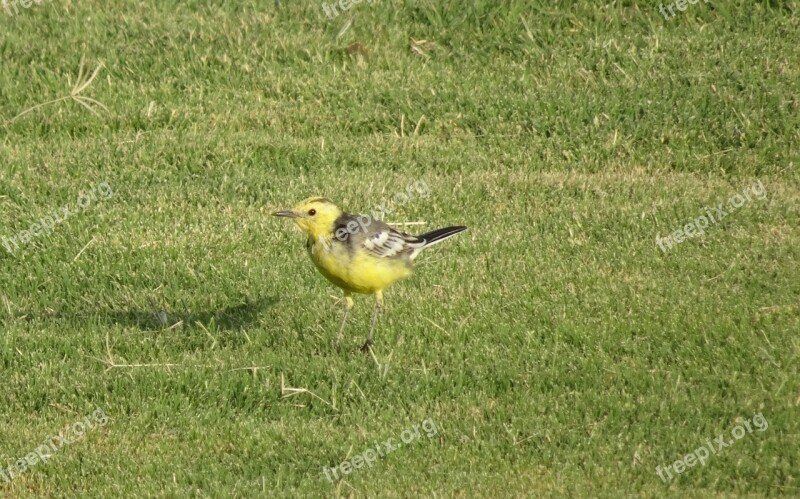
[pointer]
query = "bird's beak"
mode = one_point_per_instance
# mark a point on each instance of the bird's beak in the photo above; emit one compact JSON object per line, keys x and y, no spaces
{"x":285,"y":213}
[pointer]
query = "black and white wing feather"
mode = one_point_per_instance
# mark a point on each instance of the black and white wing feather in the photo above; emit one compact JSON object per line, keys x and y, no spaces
{"x":382,"y":241}
{"x":387,"y":242}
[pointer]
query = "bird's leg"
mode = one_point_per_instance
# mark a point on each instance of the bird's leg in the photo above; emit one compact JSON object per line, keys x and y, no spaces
{"x":375,"y":314}
{"x":348,"y":304}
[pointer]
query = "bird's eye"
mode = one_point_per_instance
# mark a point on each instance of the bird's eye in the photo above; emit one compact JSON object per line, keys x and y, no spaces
{"x":312,"y":212}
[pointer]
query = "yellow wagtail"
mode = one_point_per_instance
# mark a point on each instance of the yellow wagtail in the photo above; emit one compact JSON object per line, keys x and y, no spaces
{"x":357,"y":253}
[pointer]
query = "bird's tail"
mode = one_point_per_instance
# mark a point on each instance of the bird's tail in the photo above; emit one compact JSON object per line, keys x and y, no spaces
{"x":439,"y":235}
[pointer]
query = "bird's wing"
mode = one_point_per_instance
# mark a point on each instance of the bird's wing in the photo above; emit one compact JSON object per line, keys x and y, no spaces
{"x":375,"y":237}
{"x":388,"y":242}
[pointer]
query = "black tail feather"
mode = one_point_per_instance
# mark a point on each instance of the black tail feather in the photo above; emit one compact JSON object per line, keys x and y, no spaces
{"x":437,"y":235}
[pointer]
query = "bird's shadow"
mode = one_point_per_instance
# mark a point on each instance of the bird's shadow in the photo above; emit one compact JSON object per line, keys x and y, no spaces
{"x":157,"y":317}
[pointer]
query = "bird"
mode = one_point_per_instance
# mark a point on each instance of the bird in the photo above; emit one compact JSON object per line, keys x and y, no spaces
{"x":359,"y":253}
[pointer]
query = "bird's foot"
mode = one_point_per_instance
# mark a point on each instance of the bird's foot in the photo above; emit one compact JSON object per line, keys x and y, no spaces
{"x":367,"y":346}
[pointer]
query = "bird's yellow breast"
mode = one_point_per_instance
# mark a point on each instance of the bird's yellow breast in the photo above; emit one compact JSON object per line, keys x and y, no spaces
{"x":356,"y":271}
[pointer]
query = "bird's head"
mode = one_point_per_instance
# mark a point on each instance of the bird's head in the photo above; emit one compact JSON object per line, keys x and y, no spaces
{"x":315,"y":216}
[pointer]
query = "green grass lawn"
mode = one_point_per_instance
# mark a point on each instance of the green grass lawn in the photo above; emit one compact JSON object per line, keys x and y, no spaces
{"x":553,"y":349}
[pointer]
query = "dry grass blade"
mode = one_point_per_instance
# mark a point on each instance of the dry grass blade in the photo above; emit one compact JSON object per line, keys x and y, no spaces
{"x":87,"y":106}
{"x":82,"y":83}
{"x":111,"y":363}
{"x":344,"y":28}
{"x":80,"y":72}
{"x":85,"y":101}
{"x":288,"y":391}
{"x":422,"y":47}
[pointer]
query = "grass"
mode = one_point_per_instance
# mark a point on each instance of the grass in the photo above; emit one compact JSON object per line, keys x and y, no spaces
{"x":558,"y":350}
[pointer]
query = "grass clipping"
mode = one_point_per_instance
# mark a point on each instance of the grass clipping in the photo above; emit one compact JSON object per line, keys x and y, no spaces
{"x":81,"y":84}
